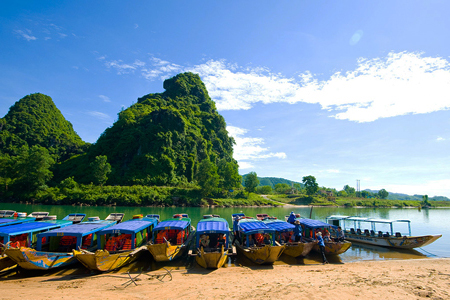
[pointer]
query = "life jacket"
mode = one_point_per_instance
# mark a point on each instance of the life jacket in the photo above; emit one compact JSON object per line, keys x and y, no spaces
{"x":111,"y":244}
{"x":86,"y":241}
{"x":160,"y":236}
{"x":259,"y":238}
{"x":180,"y":237}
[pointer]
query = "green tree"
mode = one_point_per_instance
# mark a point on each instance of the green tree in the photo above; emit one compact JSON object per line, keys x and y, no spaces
{"x":298,"y":187}
{"x":311,"y":185}
{"x":207,"y":178}
{"x":251,"y":182}
{"x":349,"y":190}
{"x":100,"y":169}
{"x":264,"y":190}
{"x":229,"y":175}
{"x":383,"y":194}
{"x":425,"y":202}
{"x":342,"y":194}
{"x":282,"y":188}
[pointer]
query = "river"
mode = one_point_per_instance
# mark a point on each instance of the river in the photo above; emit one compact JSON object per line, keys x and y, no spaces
{"x":425,"y":221}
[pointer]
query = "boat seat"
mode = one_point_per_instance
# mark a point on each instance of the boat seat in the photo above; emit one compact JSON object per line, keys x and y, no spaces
{"x":372,"y":233}
{"x":398,"y":234}
{"x":380,"y":233}
{"x":366,"y":232}
{"x":352,"y":231}
{"x":386,"y":234}
{"x":358,"y":231}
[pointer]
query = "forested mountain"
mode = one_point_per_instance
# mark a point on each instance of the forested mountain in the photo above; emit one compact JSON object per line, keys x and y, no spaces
{"x":35,"y":120}
{"x":162,"y":139}
{"x":399,"y":196}
{"x":272,"y":181}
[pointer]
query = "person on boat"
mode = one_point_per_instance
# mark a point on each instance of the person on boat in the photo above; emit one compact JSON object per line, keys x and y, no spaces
{"x":267,"y":239}
{"x":340,"y":235}
{"x":235,"y":228}
{"x":297,"y":232}
{"x":321,"y":244}
{"x":291,"y":218}
{"x":204,"y":241}
{"x":251,"y":241}
{"x":327,"y":236}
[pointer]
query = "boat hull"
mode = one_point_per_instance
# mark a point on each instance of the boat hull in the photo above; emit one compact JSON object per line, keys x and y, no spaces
{"x":211,"y":260}
{"x":404,"y":242}
{"x":334,"y":248}
{"x":31,"y":259}
{"x":6,"y":264}
{"x":262,"y":255}
{"x":166,"y":251}
{"x":298,"y":249}
{"x":103,"y":261}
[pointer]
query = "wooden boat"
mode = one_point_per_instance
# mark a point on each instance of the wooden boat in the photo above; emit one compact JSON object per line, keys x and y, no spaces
{"x":117,"y":217}
{"x":171,"y":238}
{"x":39,"y":215}
{"x":7,"y":213}
{"x":311,"y":227}
{"x":14,"y":221}
{"x":75,"y":217}
{"x":118,"y":245}
{"x":250,"y":240}
{"x":63,"y":240}
{"x":23,"y":235}
{"x":215,"y":232}
{"x":364,"y":230}
{"x":284,"y":236}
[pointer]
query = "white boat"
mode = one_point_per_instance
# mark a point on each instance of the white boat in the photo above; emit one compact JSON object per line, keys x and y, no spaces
{"x":368,"y":231}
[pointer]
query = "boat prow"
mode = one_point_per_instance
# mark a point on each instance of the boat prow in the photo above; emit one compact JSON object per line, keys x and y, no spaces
{"x":267,"y":254}
{"x":300,"y":249}
{"x":164,"y":251}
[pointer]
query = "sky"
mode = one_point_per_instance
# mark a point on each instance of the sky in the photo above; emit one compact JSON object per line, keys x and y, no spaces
{"x":341,"y":90}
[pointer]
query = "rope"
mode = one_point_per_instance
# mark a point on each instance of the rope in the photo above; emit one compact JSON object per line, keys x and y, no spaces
{"x":427,"y":252}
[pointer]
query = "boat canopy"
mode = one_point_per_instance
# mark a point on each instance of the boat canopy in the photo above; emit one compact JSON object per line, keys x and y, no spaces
{"x":213,"y":225}
{"x":314,"y":223}
{"x":29,"y":228}
{"x":155,"y":216}
{"x":372,"y":221}
{"x":251,"y":226}
{"x":8,"y":221}
{"x":238,"y":215}
{"x":173,"y":224}
{"x":75,"y":217}
{"x":129,"y":227}
{"x":278,"y":225}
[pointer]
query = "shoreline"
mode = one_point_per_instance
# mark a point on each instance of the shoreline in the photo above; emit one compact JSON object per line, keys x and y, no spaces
{"x":390,"y":279}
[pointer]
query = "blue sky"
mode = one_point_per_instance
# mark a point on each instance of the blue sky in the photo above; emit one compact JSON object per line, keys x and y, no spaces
{"x":342,"y":90}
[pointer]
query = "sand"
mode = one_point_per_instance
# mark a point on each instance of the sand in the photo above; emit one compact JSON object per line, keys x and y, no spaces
{"x":394,"y":279}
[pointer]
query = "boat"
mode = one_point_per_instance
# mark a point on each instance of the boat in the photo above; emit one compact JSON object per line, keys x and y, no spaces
{"x":54,"y":248}
{"x":23,"y":235}
{"x":309,"y":229}
{"x":367,"y":231}
{"x":118,"y":245}
{"x":255,"y":240}
{"x":75,"y":217}
{"x":14,"y":221}
{"x":171,"y":238}
{"x":215,"y":232}
{"x":7,"y":213}
{"x":284,"y":236}
{"x":117,"y":217}
{"x":39,"y":215}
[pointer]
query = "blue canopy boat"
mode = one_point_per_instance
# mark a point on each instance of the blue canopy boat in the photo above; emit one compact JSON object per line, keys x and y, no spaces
{"x":14,"y":221}
{"x":212,"y":242}
{"x":364,"y":230}
{"x":309,"y":229}
{"x":54,"y":248}
{"x":285,"y":236}
{"x":171,"y":238}
{"x":256,"y":240}
{"x":23,"y":235}
{"x":75,"y":217}
{"x":118,"y":245}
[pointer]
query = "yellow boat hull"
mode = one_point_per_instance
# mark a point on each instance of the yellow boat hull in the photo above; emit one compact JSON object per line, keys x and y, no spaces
{"x":298,"y":249}
{"x":31,"y":259}
{"x":6,"y":264}
{"x":334,"y":248}
{"x":104,"y":261}
{"x":262,"y":255}
{"x":211,"y":260}
{"x":165,"y":251}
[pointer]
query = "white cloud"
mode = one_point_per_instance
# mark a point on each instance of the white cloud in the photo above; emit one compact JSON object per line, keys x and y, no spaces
{"x":99,"y":115}
{"x":249,"y":148}
{"x":399,"y":84}
{"x":26,"y":34}
{"x":136,"y":26}
{"x":104,"y":98}
{"x":440,"y":139}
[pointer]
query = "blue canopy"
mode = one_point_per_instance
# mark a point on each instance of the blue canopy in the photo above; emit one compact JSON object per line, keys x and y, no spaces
{"x":8,"y":221}
{"x":130,"y":226}
{"x":173,"y":224}
{"x":31,"y":227}
{"x":213,"y":225}
{"x":315,"y":223}
{"x":279,"y":226}
{"x":78,"y":230}
{"x":251,"y":226}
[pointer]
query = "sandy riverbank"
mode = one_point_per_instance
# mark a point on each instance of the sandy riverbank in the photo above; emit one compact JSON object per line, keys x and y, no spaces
{"x":399,"y":279}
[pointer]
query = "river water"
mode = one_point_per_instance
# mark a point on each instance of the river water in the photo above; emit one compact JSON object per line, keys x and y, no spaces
{"x":425,"y":221}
